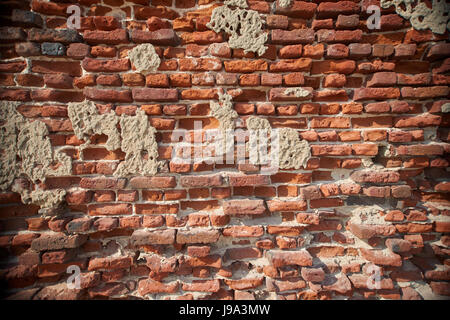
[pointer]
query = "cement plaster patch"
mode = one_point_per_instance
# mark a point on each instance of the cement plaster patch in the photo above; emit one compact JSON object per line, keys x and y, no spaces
{"x":293,"y":152}
{"x":87,"y":121}
{"x":139,"y":144}
{"x":144,"y":58}
{"x":244,"y":27}
{"x":236,"y":3}
{"x":30,"y":142}
{"x":420,"y":15}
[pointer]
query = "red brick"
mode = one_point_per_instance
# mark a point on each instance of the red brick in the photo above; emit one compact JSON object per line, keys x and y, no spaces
{"x":285,"y":258}
{"x":117,"y":36}
{"x":284,"y":37}
{"x":298,"y":9}
{"x":243,"y":66}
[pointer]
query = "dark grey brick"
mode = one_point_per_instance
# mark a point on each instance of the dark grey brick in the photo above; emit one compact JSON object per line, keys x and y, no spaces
{"x":11,"y":34}
{"x":64,"y":36}
{"x":57,"y":242}
{"x":26,"y":18}
{"x":369,"y":201}
{"x":53,"y":49}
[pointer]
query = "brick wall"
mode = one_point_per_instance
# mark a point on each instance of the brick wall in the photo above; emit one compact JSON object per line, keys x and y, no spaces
{"x":373,"y":196}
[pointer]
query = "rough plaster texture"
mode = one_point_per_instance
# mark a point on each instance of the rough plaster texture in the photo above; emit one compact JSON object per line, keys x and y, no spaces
{"x":226,"y":115}
{"x":136,"y":136}
{"x":29,"y":141}
{"x":367,"y":215}
{"x":224,"y":112}
{"x":284,"y":3}
{"x":259,"y":139}
{"x":243,"y":26}
{"x":257,"y":123}
{"x":86,"y":121}
{"x":294,"y":153}
{"x":144,"y":58}
{"x":420,"y":15}
{"x":11,"y":121}
{"x":297,"y":92}
{"x":46,"y":199}
{"x":446,"y":108}
{"x":38,"y":158}
{"x":236,"y":3}
{"x":140,"y":146}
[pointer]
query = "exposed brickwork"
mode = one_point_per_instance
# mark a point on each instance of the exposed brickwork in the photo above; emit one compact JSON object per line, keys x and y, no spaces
{"x":377,"y":120}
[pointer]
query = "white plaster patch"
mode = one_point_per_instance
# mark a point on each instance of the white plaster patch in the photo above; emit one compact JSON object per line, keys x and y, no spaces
{"x":258,"y":140}
{"x":255,"y":123}
{"x":284,"y":3}
{"x":367,"y":215}
{"x":244,"y":27}
{"x":144,"y":58}
{"x":420,"y":15}
{"x":36,"y":152}
{"x":29,"y":140}
{"x":445,"y":108}
{"x":298,"y":92}
{"x":293,"y":152}
{"x":46,"y":199}
{"x":10,"y":123}
{"x":224,"y":112}
{"x":341,"y":174}
{"x":136,"y":138}
{"x":86,"y":121}
{"x":236,"y":3}
{"x":139,"y":144}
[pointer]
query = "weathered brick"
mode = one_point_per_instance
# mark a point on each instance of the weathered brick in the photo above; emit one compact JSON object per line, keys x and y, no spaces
{"x":144,"y":237}
{"x":154,"y":94}
{"x":284,"y":37}
{"x":286,"y":258}
{"x":197,"y":236}
{"x":57,"y":242}
{"x":244,"y":207}
{"x":117,"y":36}
{"x":162,"y":37}
{"x":201,"y":181}
{"x":65,"y":36}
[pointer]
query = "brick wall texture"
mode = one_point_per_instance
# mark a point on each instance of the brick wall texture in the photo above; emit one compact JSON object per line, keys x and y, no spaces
{"x":377,"y":123}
